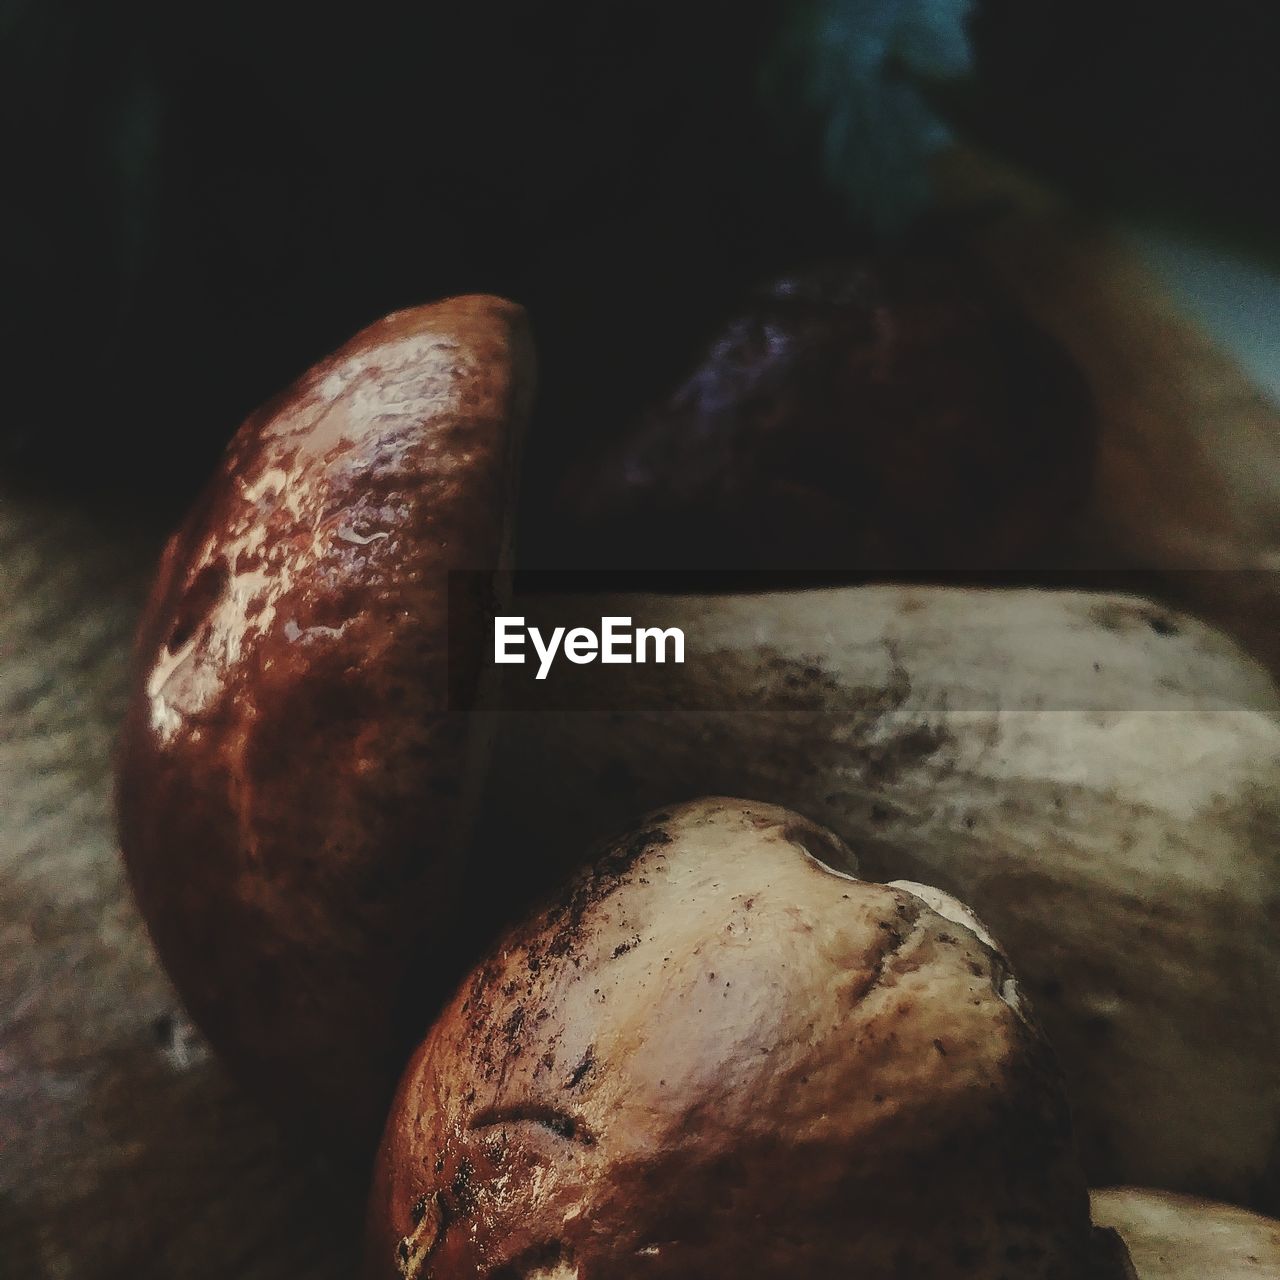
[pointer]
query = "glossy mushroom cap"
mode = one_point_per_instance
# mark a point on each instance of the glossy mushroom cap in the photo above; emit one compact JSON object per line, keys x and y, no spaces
{"x":293,"y":780}
{"x":718,"y":1055}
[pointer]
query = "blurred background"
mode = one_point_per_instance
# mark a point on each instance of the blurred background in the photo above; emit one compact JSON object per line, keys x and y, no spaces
{"x":198,"y":204}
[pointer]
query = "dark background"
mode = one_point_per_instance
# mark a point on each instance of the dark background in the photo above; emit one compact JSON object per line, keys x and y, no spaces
{"x":200,"y":201}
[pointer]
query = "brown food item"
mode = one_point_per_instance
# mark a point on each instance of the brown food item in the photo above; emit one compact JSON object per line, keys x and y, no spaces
{"x":1098,"y":777}
{"x":883,"y":413}
{"x":1175,"y":1237}
{"x":292,"y":786}
{"x":714,"y":1055}
{"x":1187,"y":487}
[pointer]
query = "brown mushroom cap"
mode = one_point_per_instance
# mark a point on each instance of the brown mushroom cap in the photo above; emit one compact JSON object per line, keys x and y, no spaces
{"x":716,"y":1055}
{"x":1098,"y":777}
{"x":894,"y":411}
{"x":292,"y":783}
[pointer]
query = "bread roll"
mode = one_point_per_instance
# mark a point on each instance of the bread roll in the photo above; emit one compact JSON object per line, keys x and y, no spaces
{"x":718,"y":1053}
{"x":292,"y":781}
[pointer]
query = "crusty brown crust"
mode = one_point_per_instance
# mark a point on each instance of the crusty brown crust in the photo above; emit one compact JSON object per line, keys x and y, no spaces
{"x":291,"y":779}
{"x":715,"y":1056}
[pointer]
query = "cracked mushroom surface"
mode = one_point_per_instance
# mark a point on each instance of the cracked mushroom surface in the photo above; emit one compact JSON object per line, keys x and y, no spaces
{"x":293,"y":782}
{"x":720,"y":1053}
